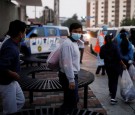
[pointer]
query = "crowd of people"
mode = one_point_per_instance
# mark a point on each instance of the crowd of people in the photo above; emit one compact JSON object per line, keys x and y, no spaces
{"x":114,"y":56}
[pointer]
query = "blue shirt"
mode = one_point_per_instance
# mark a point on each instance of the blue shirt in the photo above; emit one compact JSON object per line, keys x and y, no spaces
{"x":9,"y":60}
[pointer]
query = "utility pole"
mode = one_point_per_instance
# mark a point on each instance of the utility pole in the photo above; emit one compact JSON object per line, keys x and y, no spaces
{"x":56,"y":12}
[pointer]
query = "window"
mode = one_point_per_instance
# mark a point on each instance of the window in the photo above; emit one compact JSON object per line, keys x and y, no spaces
{"x":112,"y":6}
{"x":112,"y":15}
{"x":112,"y":10}
{"x":51,"y":31}
{"x":39,"y":31}
{"x":63,"y":33}
{"x":113,"y":1}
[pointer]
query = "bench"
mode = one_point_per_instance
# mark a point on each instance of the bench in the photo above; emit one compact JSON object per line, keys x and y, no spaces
{"x":41,"y":110}
{"x":33,"y":84}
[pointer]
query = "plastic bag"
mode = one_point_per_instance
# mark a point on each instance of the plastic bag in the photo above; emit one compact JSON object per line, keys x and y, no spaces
{"x":127,"y":89}
{"x":53,"y":59}
{"x":132,"y":72}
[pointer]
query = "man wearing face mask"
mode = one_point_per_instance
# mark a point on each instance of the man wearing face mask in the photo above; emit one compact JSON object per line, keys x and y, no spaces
{"x":70,"y":66}
{"x":10,"y":91}
{"x":100,"y":40}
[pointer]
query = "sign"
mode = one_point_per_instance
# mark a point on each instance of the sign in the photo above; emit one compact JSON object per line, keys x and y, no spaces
{"x":44,"y":44}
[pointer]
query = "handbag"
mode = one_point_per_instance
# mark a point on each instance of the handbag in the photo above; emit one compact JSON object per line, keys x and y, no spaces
{"x":132,"y":71}
{"x":53,"y":59}
{"x":127,"y":89}
{"x":97,"y":47}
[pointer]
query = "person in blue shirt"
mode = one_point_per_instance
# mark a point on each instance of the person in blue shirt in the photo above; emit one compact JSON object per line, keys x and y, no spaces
{"x":10,"y":91}
{"x":126,"y":50}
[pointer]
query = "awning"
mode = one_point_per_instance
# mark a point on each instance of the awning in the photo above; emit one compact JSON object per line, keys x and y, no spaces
{"x":30,"y":2}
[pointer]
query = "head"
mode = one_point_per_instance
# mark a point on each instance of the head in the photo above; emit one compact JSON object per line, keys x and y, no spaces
{"x":104,"y":30}
{"x":108,"y":38}
{"x":124,"y":43}
{"x":17,"y":30}
{"x":75,"y":30}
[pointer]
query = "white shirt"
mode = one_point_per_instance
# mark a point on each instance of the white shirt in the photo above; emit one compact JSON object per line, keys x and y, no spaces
{"x":69,"y":59}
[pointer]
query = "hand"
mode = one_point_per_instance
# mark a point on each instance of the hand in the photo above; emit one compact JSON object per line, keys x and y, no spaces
{"x":14,"y":75}
{"x":124,"y":66}
{"x":72,"y":85}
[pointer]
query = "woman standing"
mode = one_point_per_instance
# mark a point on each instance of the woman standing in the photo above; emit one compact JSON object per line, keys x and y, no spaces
{"x":112,"y":59}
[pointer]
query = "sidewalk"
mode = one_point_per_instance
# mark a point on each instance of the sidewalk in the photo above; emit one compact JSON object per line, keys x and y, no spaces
{"x":100,"y":89}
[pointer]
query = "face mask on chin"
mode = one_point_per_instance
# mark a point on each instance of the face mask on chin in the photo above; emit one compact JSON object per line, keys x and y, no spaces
{"x":76,"y":36}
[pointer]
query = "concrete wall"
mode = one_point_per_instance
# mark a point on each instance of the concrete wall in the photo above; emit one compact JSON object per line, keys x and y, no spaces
{"x":8,"y":12}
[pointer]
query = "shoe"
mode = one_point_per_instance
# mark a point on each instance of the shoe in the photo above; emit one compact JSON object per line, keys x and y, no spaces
{"x":113,"y":102}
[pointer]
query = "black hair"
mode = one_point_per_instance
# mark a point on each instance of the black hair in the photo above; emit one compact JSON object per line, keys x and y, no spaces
{"x":108,"y":38}
{"x":74,"y":26}
{"x":124,"y":44}
{"x":123,"y":30}
{"x":15,"y":27}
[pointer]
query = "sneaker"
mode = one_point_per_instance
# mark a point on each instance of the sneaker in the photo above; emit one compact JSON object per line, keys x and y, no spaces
{"x":114,"y":102}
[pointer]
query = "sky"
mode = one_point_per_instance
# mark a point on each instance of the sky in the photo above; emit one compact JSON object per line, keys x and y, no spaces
{"x":67,"y":8}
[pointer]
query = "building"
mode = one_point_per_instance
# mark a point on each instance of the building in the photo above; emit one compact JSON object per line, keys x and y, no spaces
{"x":109,"y":12}
{"x":14,"y":9}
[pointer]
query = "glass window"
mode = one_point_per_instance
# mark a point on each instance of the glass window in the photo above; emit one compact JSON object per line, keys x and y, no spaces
{"x":63,"y":33}
{"x":28,"y":30}
{"x":51,"y":32}
{"x":39,"y":31}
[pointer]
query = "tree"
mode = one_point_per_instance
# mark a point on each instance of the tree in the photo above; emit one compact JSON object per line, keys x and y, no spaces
{"x":127,"y":22}
{"x":71,"y":20}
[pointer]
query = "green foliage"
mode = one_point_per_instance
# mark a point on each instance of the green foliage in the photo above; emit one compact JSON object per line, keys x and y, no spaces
{"x":71,"y":20}
{"x":128,"y":22}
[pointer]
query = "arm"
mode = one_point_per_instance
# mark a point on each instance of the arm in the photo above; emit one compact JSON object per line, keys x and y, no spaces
{"x":6,"y":63}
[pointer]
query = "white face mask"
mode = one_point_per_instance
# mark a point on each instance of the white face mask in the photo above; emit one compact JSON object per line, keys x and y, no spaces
{"x":76,"y":36}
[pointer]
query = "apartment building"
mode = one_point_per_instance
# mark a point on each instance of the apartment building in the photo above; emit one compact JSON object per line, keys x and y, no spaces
{"x":109,"y":12}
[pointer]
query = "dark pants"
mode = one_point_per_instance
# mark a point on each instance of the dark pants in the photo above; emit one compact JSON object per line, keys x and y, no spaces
{"x":99,"y":68}
{"x":81,"y":54}
{"x":71,"y":97}
{"x":113,"y":75}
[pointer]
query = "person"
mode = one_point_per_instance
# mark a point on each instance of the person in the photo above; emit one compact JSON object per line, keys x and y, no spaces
{"x":81,"y":47}
{"x":113,"y":65}
{"x":70,"y":66}
{"x":10,"y":91}
{"x":126,"y":50}
{"x":132,"y":40}
{"x":100,"y":62}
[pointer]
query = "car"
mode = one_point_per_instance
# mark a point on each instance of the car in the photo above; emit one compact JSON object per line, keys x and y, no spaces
{"x":43,"y":39}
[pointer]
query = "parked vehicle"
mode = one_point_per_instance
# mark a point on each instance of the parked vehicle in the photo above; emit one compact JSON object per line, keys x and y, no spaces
{"x":43,"y":39}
